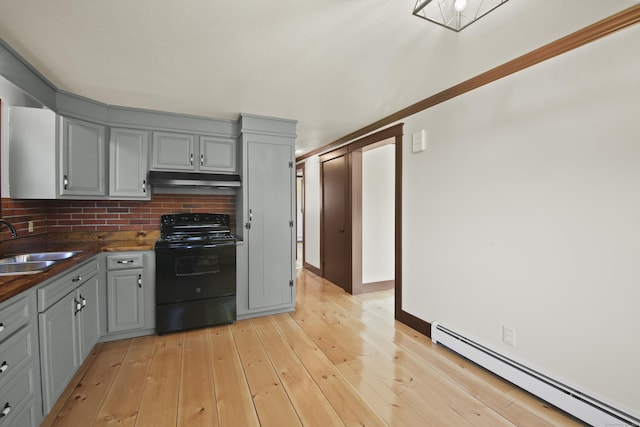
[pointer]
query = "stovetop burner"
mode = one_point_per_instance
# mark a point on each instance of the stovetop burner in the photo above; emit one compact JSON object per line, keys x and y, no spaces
{"x":194,"y":228}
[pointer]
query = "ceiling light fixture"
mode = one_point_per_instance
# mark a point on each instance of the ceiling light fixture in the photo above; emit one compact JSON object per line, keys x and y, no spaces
{"x":454,"y":14}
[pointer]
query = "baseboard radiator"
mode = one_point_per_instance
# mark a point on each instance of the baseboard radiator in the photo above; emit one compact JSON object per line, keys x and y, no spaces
{"x":570,"y":400}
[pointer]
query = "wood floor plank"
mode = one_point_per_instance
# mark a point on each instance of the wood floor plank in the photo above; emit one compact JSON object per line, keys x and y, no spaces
{"x":235,"y":406}
{"x":311,"y":405}
{"x":83,"y":406}
{"x":197,"y":405}
{"x":269,"y":396}
{"x":337,"y":360}
{"x":159,"y":405}
{"x":120,"y":408}
{"x":350,"y":406}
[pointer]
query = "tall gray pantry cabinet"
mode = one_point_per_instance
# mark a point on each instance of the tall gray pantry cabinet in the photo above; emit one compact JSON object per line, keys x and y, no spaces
{"x":266,"y":254}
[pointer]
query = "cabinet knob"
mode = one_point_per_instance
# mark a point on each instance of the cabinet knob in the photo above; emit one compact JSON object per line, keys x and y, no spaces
{"x":6,"y":410}
{"x":1,"y":327}
{"x":77,"y":278}
{"x":4,"y":366}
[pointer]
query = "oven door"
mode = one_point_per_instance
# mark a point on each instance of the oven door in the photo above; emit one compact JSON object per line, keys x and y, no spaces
{"x":186,"y":273}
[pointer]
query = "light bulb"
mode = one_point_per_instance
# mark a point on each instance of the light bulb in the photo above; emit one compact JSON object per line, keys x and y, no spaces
{"x":459,"y":5}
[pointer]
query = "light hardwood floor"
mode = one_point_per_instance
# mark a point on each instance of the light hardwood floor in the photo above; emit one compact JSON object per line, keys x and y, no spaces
{"x":338,"y":360}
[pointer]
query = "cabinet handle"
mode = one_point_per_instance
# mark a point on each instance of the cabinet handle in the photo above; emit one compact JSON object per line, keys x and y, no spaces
{"x":77,"y":278}
{"x":84,"y":301}
{"x":144,"y":185}
{"x":1,"y":327}
{"x":78,"y":307}
{"x":65,"y":182}
{"x":4,"y":366}
{"x":125,"y":261}
{"x":201,"y":159}
{"x":6,"y":410}
{"x":191,"y":159}
{"x":139,"y":280}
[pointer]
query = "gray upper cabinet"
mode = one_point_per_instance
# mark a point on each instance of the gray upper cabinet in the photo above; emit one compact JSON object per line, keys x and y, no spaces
{"x":217,"y":154}
{"x":53,"y":156}
{"x":173,"y":151}
{"x":179,"y":152}
{"x":128,"y":164}
{"x":83,"y":159}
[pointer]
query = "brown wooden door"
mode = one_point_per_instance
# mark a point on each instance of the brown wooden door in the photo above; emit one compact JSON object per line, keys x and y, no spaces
{"x":335,"y":233}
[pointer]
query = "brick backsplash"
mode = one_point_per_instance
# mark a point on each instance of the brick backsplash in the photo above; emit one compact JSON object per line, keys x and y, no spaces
{"x":108,"y":215}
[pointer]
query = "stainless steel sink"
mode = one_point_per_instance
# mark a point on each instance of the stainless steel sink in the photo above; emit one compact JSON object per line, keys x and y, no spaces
{"x":37,"y":256}
{"x":30,"y":267}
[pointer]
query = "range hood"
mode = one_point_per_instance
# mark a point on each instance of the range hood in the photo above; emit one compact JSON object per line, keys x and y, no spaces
{"x":193,"y":179}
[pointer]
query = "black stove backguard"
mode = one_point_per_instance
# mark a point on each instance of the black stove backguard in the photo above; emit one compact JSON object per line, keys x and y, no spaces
{"x":195,"y":272}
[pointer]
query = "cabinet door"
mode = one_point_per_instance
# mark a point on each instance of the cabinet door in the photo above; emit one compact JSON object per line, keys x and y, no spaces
{"x":172,"y":151}
{"x":217,"y":154}
{"x":83,"y":158}
{"x":125,"y":300}
{"x":270,"y":181}
{"x":59,"y":347}
{"x":89,"y":316}
{"x":128,"y":163}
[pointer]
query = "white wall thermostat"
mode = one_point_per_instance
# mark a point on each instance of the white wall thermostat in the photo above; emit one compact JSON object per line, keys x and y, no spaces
{"x":419,"y":141}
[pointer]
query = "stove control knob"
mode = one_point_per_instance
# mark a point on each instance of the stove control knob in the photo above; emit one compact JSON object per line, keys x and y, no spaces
{"x":196,"y":218}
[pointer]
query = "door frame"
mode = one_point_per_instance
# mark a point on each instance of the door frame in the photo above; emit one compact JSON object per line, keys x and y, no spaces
{"x":396,"y":132}
{"x":300,"y":167}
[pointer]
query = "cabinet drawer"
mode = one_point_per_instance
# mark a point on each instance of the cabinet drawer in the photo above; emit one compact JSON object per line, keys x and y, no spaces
{"x":62,"y":285}
{"x":14,"y":394}
{"x":13,"y":316}
{"x":15,"y":353}
{"x":21,"y":417}
{"x":125,"y":260}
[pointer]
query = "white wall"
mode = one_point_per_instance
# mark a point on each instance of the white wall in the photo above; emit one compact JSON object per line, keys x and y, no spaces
{"x":10,"y":95}
{"x":378,"y":214}
{"x":525,"y":211}
{"x":312,"y":200}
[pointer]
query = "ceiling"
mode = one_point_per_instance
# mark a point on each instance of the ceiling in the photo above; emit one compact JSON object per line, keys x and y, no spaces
{"x":335,"y":66}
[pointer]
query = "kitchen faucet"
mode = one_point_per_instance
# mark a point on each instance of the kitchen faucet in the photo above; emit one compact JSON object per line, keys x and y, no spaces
{"x":14,"y":233}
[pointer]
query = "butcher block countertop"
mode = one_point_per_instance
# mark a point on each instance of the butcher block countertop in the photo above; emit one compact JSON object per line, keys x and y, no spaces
{"x":87,"y":244}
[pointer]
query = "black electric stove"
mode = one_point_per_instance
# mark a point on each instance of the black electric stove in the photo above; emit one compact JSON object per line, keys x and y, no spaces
{"x":195,"y":272}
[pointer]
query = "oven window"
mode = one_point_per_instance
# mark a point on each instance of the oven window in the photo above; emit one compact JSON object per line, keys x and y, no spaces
{"x":194,"y":265}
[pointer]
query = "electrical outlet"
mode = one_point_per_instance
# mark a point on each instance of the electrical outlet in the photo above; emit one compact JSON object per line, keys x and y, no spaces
{"x":509,"y":336}
{"x":30,"y":225}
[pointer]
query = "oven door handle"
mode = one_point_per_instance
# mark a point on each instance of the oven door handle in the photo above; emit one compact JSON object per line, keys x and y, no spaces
{"x":198,"y":246}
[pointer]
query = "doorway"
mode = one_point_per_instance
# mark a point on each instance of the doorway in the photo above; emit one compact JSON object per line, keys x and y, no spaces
{"x":353,"y":233}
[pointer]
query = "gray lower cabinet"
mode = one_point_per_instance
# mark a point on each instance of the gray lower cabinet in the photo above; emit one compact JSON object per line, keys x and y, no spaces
{"x":130,"y":293}
{"x":69,"y":323}
{"x":128,"y":164}
{"x":20,"y":392}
